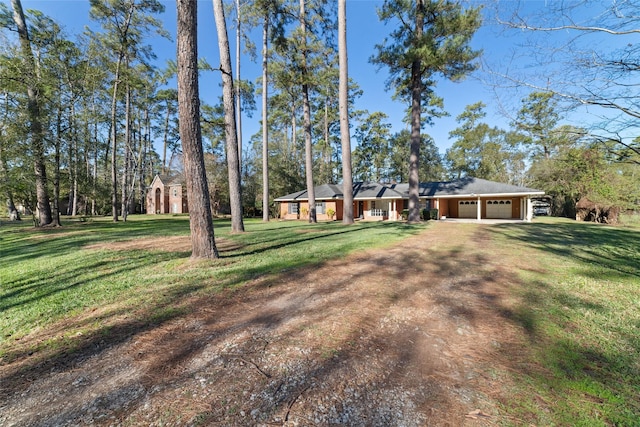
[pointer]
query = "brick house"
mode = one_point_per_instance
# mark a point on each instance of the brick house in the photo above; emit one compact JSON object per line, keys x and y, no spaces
{"x":167,"y":194}
{"x":463,"y":198}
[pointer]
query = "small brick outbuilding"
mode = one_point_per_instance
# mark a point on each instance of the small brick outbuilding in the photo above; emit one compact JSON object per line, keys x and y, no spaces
{"x":167,"y":194}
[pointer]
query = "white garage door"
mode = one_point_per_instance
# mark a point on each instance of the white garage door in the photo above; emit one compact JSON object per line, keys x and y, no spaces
{"x":467,"y":209}
{"x":499,"y":209}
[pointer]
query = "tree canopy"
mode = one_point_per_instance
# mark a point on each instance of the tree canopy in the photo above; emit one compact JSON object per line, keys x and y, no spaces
{"x":87,"y":120}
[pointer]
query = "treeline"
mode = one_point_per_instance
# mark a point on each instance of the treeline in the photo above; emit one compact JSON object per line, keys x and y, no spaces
{"x":81,"y":116}
{"x":536,"y":151}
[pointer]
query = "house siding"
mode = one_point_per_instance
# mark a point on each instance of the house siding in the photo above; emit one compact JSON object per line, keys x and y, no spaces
{"x":455,"y":199}
{"x":177,"y":203}
{"x":449,"y":207}
{"x":446,"y":207}
{"x":303,"y":210}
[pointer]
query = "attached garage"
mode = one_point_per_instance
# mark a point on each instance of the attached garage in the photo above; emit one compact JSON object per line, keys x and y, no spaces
{"x":499,"y":209}
{"x":467,"y":197}
{"x":467,"y":209}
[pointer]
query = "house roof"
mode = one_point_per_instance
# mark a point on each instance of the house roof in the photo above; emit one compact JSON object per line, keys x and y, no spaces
{"x":168,"y":180}
{"x":464,"y":187}
{"x":467,"y":187}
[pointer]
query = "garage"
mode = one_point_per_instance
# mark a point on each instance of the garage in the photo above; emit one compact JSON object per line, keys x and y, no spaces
{"x":499,"y":209}
{"x":467,"y":209}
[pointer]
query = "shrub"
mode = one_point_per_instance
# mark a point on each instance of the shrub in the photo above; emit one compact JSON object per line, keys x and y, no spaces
{"x":428,"y":214}
{"x":330,"y":213}
{"x":405,"y":214}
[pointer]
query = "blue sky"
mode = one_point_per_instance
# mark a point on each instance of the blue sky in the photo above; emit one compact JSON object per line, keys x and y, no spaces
{"x":364,"y":31}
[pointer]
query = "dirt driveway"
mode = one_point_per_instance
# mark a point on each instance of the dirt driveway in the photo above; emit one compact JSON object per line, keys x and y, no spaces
{"x":416,"y":334}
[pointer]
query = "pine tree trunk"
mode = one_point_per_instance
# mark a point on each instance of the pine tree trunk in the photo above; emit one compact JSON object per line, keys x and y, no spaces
{"x":345,"y":137}
{"x":233,"y":159}
{"x":114,"y":144}
{"x":14,"y":215}
{"x":200,"y":221}
{"x":37,"y":134}
{"x":94,"y":175}
{"x":56,"y":171}
{"x":237,"y":87}
{"x":73,"y":158}
{"x":127,"y":155}
{"x":265,"y":127}
{"x":306,"y":116}
{"x":416,"y":104}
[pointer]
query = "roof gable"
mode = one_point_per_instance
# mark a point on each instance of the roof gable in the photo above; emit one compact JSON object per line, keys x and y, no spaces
{"x":168,"y":180}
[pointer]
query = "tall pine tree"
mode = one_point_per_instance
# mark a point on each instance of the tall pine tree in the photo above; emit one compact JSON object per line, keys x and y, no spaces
{"x":431,"y":38}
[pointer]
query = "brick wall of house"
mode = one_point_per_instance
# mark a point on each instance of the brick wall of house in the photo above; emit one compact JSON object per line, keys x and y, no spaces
{"x":178,"y":199}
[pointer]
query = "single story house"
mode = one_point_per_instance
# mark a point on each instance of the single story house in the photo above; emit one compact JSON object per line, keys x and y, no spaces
{"x":167,"y":194}
{"x":463,"y":198}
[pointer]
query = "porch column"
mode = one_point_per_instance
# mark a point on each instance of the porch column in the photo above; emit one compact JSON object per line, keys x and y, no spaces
{"x":529,"y":209}
{"x":393,"y":208}
{"x":479,"y":209}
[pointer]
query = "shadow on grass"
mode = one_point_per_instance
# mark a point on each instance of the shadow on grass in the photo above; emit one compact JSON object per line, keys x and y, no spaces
{"x":615,"y":250}
{"x":27,"y":243}
{"x":444,"y":273}
{"x":593,"y":363}
{"x":315,"y":305}
{"x":308,"y":233}
{"x":32,"y":286}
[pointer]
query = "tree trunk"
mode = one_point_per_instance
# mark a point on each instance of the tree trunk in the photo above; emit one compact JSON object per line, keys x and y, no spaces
{"x":200,"y":221}
{"x":233,"y":159}
{"x":37,"y":134}
{"x":94,"y":175}
{"x":73,"y":158}
{"x":127,"y":154}
{"x":165,"y":139}
{"x":56,"y":171}
{"x":416,"y":104}
{"x":306,"y":113}
{"x":327,"y":175}
{"x":345,"y":137}
{"x":14,"y":215}
{"x":114,"y":144}
{"x":265,"y":127}
{"x":237,"y":91}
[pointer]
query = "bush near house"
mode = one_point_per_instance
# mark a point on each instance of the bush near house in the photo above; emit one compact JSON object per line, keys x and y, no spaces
{"x":428,"y":214}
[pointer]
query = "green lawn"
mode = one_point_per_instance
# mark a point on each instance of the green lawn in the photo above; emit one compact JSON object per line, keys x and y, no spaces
{"x":577,"y":296}
{"x":47,"y":275}
{"x":581,"y":310}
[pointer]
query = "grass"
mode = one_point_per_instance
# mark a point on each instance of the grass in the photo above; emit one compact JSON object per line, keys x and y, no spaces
{"x":581,"y":310}
{"x":50,"y":275}
{"x":577,"y":296}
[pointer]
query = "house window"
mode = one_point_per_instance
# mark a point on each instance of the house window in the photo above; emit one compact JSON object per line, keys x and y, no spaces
{"x":175,"y":192}
{"x":293,"y":208}
{"x":319,"y":207}
{"x":373,"y":204}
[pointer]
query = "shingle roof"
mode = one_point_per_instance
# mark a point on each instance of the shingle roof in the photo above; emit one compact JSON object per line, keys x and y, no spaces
{"x":373,"y":190}
{"x":169,"y":180}
{"x":468,"y":186}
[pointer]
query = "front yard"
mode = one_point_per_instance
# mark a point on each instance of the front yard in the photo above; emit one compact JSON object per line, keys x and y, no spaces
{"x":298,"y":324}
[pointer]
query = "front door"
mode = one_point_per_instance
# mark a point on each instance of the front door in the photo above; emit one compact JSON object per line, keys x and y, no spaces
{"x":360,"y":209}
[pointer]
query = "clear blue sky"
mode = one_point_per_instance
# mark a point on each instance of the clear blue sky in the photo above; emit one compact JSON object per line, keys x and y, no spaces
{"x":364,"y":31}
